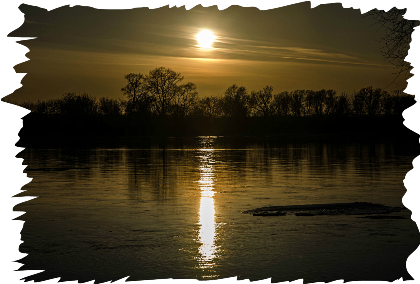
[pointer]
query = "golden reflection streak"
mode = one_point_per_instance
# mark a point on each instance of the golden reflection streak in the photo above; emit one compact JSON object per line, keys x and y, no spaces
{"x":207,"y":232}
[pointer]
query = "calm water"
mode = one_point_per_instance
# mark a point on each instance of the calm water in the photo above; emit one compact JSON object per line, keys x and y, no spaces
{"x":172,"y":209}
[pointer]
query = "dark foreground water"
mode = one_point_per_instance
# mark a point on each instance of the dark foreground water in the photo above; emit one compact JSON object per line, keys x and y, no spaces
{"x":171,"y":208}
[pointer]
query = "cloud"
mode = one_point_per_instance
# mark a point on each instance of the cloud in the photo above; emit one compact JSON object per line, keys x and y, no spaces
{"x":40,"y":22}
{"x":256,"y":50}
{"x":32,"y":22}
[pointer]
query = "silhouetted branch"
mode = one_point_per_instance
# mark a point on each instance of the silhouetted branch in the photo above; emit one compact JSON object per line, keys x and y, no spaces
{"x":397,"y":38}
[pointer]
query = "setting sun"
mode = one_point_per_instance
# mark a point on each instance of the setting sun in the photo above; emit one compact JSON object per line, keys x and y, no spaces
{"x":205,"y":39}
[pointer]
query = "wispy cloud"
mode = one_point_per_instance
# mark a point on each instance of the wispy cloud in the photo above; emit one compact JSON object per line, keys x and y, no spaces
{"x":237,"y":48}
{"x":31,"y":22}
{"x":336,"y":61}
{"x":38,"y":23}
{"x":308,"y":51}
{"x":254,"y":48}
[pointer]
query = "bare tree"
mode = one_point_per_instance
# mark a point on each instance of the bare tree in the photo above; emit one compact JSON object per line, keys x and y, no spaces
{"x":262,"y":101}
{"x":397,"y":37}
{"x":162,"y":85}
{"x":208,"y":107}
{"x":318,"y":101}
{"x":135,"y":87}
{"x":282,"y":103}
{"x":296,"y":105}
{"x":184,"y":100}
{"x":368,"y":101}
{"x":73,"y":104}
{"x":330,"y":102}
{"x":109,"y":106}
{"x":137,"y":92}
{"x":235,"y":102}
{"x":343,"y":106}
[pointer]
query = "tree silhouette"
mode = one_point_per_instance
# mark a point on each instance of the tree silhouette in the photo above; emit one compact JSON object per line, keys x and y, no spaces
{"x":397,"y":37}
{"x":296,"y":105}
{"x":208,"y":107}
{"x":110,"y":107}
{"x":282,"y":103}
{"x":330,"y":102}
{"x":162,"y":85}
{"x":342,"y":106}
{"x":137,"y":92}
{"x":262,"y":101}
{"x":235,"y":102}
{"x":78,"y":105}
{"x":368,"y":101}
{"x":317,"y":101}
{"x":184,"y":100}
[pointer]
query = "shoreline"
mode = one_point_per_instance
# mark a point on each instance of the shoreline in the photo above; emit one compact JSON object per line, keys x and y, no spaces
{"x":37,"y":141}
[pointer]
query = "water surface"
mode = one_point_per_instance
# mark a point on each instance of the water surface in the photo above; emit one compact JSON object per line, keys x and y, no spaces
{"x":171,"y":208}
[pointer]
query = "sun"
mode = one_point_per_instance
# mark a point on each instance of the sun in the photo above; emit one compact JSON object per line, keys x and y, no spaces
{"x":205,"y":39}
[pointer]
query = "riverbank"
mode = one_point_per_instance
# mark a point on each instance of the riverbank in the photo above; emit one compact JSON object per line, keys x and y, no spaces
{"x":221,"y":126}
{"x":60,"y":140}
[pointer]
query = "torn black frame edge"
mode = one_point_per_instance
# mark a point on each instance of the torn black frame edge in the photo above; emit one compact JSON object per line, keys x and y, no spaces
{"x":12,"y":177}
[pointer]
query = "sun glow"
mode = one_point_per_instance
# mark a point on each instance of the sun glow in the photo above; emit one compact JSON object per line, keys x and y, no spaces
{"x":205,"y":39}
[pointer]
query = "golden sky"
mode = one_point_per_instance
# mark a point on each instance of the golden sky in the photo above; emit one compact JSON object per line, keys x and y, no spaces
{"x":82,"y":49}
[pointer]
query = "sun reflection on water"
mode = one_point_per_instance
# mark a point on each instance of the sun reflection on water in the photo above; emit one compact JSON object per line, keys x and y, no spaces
{"x":207,"y":233}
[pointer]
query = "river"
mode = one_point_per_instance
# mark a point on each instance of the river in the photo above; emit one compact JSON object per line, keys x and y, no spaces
{"x":171,"y":208}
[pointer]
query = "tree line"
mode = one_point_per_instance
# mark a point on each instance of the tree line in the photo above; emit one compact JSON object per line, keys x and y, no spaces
{"x":162,"y":94}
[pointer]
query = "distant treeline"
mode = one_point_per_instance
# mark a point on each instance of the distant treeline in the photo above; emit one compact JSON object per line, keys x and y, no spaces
{"x":157,"y":104}
{"x":236,"y":102}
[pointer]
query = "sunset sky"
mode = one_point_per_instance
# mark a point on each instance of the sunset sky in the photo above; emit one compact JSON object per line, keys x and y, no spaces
{"x":82,"y":49}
